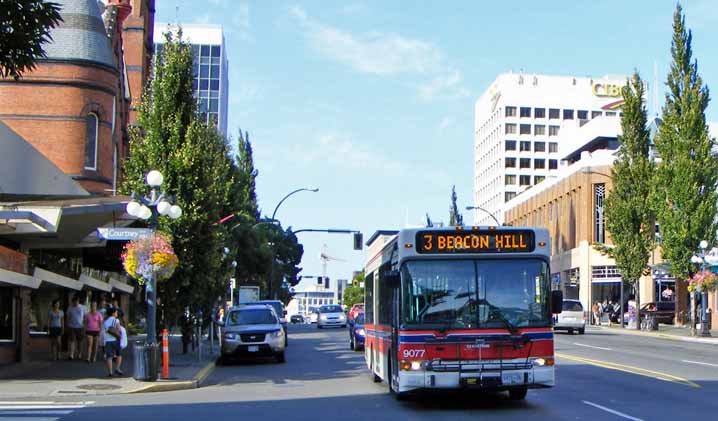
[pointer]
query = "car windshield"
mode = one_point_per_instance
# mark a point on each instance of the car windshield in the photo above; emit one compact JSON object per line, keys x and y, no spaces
{"x":252,"y":317}
{"x":469,"y":294}
{"x":278,"y":307}
{"x":359,"y":319}
{"x":572,"y":306}
{"x":331,"y":309}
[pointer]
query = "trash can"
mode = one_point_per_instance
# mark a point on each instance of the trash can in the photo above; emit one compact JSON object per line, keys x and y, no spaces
{"x":146,"y":357}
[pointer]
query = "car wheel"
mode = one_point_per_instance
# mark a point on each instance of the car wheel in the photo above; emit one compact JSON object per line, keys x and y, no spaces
{"x":570,"y":331}
{"x":518,"y":393}
{"x":319,"y":326}
{"x":582,"y":331}
{"x":280,"y":357}
{"x":344,"y":326}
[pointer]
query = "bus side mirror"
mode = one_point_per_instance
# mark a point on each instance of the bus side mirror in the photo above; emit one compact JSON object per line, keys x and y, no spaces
{"x":556,"y":301}
{"x":392,"y":278}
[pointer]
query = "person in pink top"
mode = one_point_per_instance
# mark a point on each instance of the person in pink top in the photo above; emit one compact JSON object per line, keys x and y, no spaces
{"x":93,"y":323}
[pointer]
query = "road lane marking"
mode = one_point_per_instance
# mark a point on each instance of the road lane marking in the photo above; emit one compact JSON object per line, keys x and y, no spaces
{"x":700,"y":363}
{"x":612,"y":411}
{"x":632,"y":370}
{"x":594,"y":347}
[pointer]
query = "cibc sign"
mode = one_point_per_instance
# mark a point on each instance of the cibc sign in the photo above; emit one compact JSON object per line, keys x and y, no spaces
{"x":606,"y":89}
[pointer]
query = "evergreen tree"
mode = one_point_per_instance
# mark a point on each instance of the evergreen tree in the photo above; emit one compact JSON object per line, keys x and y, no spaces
{"x":685,"y":187}
{"x":455,"y":218}
{"x":629,"y":217}
{"x":194,"y":159}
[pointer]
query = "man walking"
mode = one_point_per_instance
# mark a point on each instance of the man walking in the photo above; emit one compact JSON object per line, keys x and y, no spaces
{"x":75,"y":323}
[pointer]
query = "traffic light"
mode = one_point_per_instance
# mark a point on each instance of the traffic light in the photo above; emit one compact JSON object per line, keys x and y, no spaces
{"x":358,"y":241}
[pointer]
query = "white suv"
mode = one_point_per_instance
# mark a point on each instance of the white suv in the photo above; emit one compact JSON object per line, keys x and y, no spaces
{"x":252,"y":331}
{"x":572,"y":318}
{"x":331,"y":315}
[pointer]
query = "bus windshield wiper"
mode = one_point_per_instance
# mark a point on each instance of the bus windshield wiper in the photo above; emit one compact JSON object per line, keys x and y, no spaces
{"x":500,"y":317}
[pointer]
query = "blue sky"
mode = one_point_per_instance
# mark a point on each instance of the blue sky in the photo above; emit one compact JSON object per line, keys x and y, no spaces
{"x":372,"y":101}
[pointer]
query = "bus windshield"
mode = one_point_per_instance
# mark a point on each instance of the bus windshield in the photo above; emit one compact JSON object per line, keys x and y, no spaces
{"x":470,"y":294}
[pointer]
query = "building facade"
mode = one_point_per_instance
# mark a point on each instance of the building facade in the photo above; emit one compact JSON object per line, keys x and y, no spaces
{"x":211,"y":68}
{"x":138,"y":36}
{"x":517,"y":125}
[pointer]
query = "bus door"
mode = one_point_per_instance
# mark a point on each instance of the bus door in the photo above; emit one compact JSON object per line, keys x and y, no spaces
{"x":395,"y":323}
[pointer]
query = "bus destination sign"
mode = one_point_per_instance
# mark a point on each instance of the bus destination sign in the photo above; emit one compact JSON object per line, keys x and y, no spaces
{"x":458,"y":242}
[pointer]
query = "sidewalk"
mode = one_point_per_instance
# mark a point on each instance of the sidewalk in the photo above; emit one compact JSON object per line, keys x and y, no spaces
{"x":665,"y":332}
{"x":44,"y":378}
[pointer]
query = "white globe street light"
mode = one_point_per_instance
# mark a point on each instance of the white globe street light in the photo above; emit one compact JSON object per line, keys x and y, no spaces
{"x":164,"y":207}
{"x":133,"y":208}
{"x":155,"y":178}
{"x":145,"y":212}
{"x":175,"y":212}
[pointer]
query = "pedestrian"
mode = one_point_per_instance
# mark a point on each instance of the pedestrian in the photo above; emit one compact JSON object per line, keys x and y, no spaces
{"x":609,"y":311}
{"x":57,"y":326}
{"x":596,"y":313}
{"x":112,"y":342}
{"x":93,"y":324}
{"x":75,"y":320}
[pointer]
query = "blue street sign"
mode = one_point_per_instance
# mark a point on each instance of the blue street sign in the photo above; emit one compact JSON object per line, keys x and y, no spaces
{"x":123,"y":233}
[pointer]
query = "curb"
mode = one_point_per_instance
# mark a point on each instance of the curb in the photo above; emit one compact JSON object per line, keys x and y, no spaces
{"x":660,"y":335}
{"x":172,"y":386}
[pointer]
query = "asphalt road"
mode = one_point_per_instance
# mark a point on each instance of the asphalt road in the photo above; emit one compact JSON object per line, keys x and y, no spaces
{"x":600,"y":376}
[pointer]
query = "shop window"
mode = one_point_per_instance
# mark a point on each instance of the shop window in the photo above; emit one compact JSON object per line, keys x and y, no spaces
{"x":7,"y":315}
{"x":92,"y":123}
{"x":539,"y":112}
{"x":510,"y":111}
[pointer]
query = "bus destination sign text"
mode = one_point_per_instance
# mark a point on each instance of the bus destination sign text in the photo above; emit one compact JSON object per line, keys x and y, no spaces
{"x":497,"y":241}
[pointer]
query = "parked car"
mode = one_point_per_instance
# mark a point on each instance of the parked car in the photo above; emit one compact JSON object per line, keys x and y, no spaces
{"x":357,"y":333}
{"x":331,"y":315}
{"x":296,"y":318}
{"x":664,"y":311}
{"x":252,"y":331}
{"x":278,"y":307}
{"x":356,"y":309}
{"x":572,"y":318}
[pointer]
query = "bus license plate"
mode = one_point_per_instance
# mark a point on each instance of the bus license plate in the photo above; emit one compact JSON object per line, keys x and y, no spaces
{"x":252,"y":348}
{"x":512,"y":378}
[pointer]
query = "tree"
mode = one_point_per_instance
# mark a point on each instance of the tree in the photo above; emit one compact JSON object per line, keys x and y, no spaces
{"x":352,"y":295}
{"x":455,"y":218}
{"x":26,"y":26}
{"x":629,"y":216}
{"x":194,"y":158}
{"x":685,"y":186}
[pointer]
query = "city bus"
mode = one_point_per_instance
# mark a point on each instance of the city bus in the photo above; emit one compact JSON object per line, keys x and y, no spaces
{"x":460,"y":307}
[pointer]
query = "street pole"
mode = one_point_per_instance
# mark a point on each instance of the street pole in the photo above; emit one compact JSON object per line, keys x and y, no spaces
{"x":498,"y":224}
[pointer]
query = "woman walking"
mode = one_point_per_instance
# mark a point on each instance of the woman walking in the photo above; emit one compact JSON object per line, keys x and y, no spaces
{"x":112,"y":342}
{"x":93,"y":324}
{"x":57,"y":325}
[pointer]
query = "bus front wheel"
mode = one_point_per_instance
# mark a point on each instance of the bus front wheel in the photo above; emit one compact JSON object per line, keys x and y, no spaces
{"x":518,"y":393}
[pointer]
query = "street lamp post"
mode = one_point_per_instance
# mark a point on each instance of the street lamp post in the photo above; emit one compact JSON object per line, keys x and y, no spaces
{"x":702,"y":258}
{"x":274,"y":214}
{"x":498,"y":224}
{"x":149,"y":208}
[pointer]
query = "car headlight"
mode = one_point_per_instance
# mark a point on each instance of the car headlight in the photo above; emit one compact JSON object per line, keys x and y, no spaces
{"x":276,"y":334}
{"x":323,"y":317}
{"x":360,"y":332}
{"x":342,"y":317}
{"x":230,"y":336}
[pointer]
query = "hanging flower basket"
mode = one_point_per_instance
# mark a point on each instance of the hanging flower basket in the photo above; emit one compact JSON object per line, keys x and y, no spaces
{"x":667,"y":294}
{"x":703,"y":282}
{"x":150,"y":256}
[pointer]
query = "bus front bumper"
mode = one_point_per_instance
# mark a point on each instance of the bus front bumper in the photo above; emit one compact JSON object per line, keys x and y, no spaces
{"x":533,"y":378}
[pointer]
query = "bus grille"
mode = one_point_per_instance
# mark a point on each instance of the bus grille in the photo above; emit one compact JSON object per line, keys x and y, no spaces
{"x":478,"y":366}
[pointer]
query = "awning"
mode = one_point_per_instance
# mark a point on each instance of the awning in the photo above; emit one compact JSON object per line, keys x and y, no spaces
{"x":18,"y":279}
{"x":95,"y":284}
{"x":122,"y":287}
{"x":43,"y":275}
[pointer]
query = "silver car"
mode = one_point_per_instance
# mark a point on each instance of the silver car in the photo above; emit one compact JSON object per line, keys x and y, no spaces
{"x":331,"y":315}
{"x":253,"y":331}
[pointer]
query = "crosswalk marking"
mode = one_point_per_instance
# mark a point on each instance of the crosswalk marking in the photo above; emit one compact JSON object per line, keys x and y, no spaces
{"x":38,"y":410}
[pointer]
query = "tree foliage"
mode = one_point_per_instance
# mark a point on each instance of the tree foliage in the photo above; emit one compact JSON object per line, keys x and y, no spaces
{"x":685,"y":187}
{"x":455,"y":217}
{"x":352,"y":295}
{"x":24,"y":28}
{"x":629,"y":216}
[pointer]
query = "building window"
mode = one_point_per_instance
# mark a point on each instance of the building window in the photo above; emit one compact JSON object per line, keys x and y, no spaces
{"x":91,"y":127}
{"x":552,"y":164}
{"x":509,"y":179}
{"x":525,"y":180}
{"x":539,"y":163}
{"x":525,"y":112}
{"x":510,"y":128}
{"x":525,"y":129}
{"x":510,"y":111}
{"x":582,"y":115}
{"x":553,"y":130}
{"x":7,"y":315}
{"x":539,"y":112}
{"x":540,"y":130}
{"x":539,"y":146}
{"x":525,"y":146}
{"x":510,"y":145}
{"x":610,"y":113}
{"x":553,"y":147}
{"x":538,"y":179}
{"x":554,"y":113}
{"x":568,"y":114}
{"x":509,"y":195}
{"x":595,"y":114}
{"x":510,"y":163}
{"x":599,"y":195}
{"x":525,"y":163}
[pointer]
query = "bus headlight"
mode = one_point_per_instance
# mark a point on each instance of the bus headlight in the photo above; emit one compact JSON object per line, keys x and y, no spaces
{"x":405,"y":365}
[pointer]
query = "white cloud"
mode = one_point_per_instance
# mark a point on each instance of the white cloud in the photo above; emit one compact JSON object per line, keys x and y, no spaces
{"x":448,"y":84}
